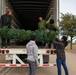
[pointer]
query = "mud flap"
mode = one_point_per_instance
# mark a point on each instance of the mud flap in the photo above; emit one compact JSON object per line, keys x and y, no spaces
{"x":45,"y":58}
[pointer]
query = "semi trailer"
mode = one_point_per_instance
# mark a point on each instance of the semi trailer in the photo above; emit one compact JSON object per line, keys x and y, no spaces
{"x":25,"y":16}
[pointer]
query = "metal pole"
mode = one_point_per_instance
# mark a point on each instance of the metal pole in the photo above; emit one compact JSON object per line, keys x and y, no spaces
{"x":58,"y":11}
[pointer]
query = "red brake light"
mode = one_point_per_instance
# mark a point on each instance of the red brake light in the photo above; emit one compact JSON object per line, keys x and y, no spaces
{"x":7,"y":51}
{"x":55,"y":51}
{"x":48,"y":51}
{"x":0,"y":51}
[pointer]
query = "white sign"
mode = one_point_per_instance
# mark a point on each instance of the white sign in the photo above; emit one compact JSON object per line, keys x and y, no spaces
{"x":9,"y":57}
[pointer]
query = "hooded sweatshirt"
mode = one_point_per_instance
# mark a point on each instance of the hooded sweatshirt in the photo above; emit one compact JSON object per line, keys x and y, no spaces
{"x":32,"y":51}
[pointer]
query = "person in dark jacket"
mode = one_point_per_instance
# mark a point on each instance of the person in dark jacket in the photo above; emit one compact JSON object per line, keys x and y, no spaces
{"x":61,"y":57}
{"x":6,"y":20}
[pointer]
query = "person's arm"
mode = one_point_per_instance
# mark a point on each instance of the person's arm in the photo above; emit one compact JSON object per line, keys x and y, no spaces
{"x":56,"y":41}
{"x":38,"y":26}
{"x":36,"y":54}
{"x":9,"y":22}
{"x":66,"y":43}
{"x":1,"y":21}
{"x":45,"y":23}
{"x":56,"y":27}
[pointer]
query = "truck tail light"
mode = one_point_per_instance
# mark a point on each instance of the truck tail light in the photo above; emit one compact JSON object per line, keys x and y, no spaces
{"x":48,"y":51}
{"x":7,"y":51}
{"x":55,"y":51}
{"x":0,"y":51}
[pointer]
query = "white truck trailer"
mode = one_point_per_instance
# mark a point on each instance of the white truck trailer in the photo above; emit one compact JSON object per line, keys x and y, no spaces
{"x":11,"y":54}
{"x":25,"y":16}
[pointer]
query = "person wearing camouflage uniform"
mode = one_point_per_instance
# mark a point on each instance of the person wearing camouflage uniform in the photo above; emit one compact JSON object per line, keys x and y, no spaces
{"x":41,"y":24}
{"x":52,"y":26}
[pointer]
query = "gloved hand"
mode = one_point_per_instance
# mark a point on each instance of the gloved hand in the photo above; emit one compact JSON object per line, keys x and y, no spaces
{"x":57,"y":38}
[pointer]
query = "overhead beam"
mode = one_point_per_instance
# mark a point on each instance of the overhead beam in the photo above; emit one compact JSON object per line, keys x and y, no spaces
{"x":35,"y":5}
{"x":31,"y":8}
{"x":38,"y":2}
{"x":30,"y":14}
{"x":30,"y":11}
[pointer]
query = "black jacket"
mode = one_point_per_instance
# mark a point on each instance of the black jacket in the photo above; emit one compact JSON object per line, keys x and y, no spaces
{"x":6,"y":20}
{"x":60,"y":47}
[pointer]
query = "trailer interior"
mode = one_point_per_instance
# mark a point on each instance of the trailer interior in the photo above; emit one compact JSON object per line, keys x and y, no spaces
{"x":27,"y":12}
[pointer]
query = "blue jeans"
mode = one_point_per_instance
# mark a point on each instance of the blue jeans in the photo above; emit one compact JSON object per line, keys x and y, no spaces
{"x":62,"y":62}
